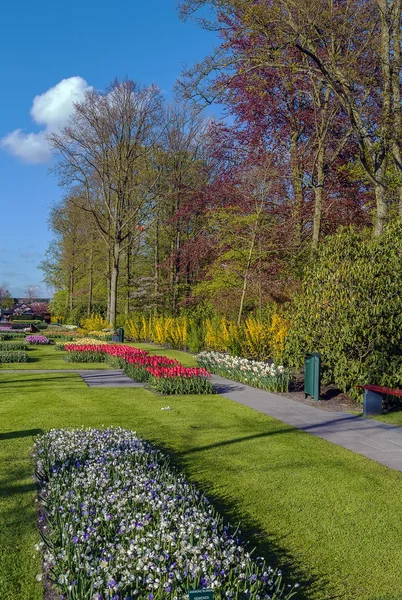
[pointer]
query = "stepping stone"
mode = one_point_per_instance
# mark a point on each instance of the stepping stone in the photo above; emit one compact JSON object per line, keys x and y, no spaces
{"x":108,"y":379}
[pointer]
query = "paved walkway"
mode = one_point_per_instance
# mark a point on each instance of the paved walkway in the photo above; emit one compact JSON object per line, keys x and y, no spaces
{"x":109,"y":379}
{"x":379,"y":441}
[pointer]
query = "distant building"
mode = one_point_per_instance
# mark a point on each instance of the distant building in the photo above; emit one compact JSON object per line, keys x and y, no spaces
{"x":30,"y":301}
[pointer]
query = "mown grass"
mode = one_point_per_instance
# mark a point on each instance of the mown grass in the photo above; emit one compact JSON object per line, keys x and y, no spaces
{"x":332,"y":517}
{"x":47,"y":357}
{"x":393,"y":418}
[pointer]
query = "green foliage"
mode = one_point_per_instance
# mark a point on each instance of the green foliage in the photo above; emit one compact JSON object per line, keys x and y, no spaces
{"x":7,"y":303}
{"x":135,"y":372}
{"x":195,"y":335}
{"x":84,"y":357}
{"x":350,"y":310}
{"x":10,"y":335}
{"x":22,"y":320}
{"x":11,"y":346}
{"x":181,"y":385}
{"x":13,"y":357}
{"x":58,"y":303}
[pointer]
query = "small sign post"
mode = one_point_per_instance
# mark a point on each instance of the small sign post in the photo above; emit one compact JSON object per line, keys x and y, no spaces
{"x":201,"y":595}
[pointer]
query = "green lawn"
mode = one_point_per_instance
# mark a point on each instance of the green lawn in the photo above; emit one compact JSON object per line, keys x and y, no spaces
{"x":333,"y":517}
{"x":185,"y":358}
{"x":393,"y":418}
{"x":47,"y":357}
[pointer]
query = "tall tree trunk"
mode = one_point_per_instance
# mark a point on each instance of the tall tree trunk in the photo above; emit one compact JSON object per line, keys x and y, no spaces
{"x":128,"y":278}
{"x":297,"y":183}
{"x":108,"y":283}
{"x":71,"y":289}
{"x":156,"y":266}
{"x":113,"y":283}
{"x":382,"y":208}
{"x":396,"y":95}
{"x":246,"y":274}
{"x":90,"y":285}
{"x":176,"y":267}
{"x":318,"y":196}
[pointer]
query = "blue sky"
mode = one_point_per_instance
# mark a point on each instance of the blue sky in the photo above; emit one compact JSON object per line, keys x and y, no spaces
{"x":43,"y":43}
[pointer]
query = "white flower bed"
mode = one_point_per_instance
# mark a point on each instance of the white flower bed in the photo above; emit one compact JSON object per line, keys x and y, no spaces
{"x":120,"y":524}
{"x":263,"y":375}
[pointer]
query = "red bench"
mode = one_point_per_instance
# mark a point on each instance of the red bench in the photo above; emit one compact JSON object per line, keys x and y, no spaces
{"x":373,"y":395}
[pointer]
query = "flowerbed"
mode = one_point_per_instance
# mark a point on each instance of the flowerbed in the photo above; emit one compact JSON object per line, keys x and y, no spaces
{"x":120,"y":524}
{"x":79,"y":342}
{"x":12,"y":335}
{"x":11,"y":346}
{"x":180,"y":380}
{"x":37,"y":339}
{"x":262,"y":375}
{"x":164,"y":374}
{"x":13,"y":356}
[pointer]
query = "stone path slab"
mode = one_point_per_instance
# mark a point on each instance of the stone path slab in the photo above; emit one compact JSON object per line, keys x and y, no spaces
{"x":108,"y":379}
{"x":375,"y":440}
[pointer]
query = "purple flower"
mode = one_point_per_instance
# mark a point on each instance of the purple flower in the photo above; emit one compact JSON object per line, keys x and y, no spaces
{"x":111,"y":584}
{"x":37,"y":339}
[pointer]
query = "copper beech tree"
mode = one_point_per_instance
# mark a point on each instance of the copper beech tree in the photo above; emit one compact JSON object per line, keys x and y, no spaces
{"x":348,"y":50}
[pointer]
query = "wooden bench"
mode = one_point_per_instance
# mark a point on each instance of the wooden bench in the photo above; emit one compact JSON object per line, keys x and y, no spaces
{"x":373,"y":395}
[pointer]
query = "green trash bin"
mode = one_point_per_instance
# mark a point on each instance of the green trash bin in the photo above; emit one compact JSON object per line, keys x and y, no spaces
{"x":121,"y":335}
{"x":312,"y":375}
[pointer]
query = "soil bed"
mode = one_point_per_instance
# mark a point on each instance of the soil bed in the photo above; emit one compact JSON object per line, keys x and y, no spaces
{"x":332,"y":398}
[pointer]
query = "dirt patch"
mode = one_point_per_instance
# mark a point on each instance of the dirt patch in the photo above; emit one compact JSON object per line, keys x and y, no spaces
{"x":332,"y":398}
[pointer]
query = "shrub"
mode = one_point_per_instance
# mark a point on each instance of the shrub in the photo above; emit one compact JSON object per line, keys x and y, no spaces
{"x":350,"y":310}
{"x":95,"y":323}
{"x":196,"y":336}
{"x":13,"y":357}
{"x":112,"y":501}
{"x":21,"y":319}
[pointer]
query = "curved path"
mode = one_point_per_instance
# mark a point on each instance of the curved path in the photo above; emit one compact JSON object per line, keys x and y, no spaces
{"x":375,"y":440}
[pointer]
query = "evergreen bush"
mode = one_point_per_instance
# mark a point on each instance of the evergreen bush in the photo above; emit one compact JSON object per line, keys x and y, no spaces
{"x":350,"y":310}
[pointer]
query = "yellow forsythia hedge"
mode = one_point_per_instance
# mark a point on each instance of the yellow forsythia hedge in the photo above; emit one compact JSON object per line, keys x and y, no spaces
{"x":253,"y":339}
{"x":95,"y":323}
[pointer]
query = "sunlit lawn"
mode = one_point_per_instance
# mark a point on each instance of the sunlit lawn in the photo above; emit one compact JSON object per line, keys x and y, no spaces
{"x":47,"y":357}
{"x":332,"y":517}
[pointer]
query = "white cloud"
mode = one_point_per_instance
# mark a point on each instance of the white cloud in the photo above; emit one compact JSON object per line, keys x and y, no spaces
{"x":51,"y":109}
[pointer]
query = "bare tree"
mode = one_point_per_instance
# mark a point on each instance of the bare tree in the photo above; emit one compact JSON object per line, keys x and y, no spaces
{"x":30,"y":292}
{"x":4,"y":293}
{"x":105,"y":154}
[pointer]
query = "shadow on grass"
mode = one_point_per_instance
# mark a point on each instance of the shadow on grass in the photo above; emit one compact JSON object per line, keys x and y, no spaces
{"x":29,"y":381}
{"x":289,"y":430}
{"x":10,"y":435}
{"x":11,"y":490}
{"x":261,"y":542}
